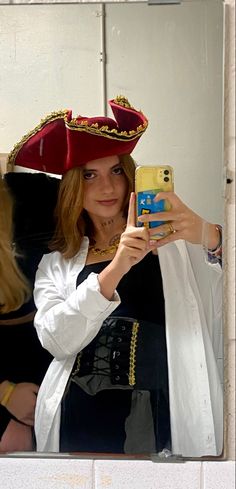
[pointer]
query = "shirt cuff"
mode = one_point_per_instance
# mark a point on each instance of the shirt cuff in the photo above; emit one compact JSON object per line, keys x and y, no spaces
{"x":91,"y":302}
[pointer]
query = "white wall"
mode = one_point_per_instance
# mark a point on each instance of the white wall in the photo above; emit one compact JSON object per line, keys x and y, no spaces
{"x":49,"y":61}
{"x":167,"y":60}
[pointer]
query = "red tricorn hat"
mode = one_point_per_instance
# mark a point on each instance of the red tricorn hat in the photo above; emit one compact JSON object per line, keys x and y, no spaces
{"x":61,"y":142}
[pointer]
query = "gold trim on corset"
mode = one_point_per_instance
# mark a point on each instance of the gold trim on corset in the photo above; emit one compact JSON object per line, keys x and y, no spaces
{"x":77,"y":368}
{"x":132,"y":356}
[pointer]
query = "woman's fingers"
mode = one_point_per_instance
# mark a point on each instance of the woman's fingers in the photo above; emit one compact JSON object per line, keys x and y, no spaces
{"x":131,"y":220}
{"x":180,"y":222}
{"x":160,"y":216}
{"x":172,"y":198}
{"x":139,"y":244}
{"x":163,"y":230}
{"x":176,"y":211}
{"x":168,"y":239}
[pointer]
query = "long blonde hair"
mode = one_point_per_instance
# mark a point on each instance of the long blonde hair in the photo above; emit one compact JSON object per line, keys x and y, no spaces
{"x":14,"y":288}
{"x":73,"y":222}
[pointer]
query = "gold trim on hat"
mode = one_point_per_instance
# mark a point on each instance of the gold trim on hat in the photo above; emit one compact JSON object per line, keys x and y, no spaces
{"x":61,"y":114}
{"x":103,"y":131}
{"x":123,"y":101}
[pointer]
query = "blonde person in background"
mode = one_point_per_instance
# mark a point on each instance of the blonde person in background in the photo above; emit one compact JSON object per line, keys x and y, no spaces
{"x":22,"y":357}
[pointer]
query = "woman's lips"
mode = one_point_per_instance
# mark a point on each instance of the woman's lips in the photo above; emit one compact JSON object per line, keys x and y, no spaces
{"x":107,"y":202}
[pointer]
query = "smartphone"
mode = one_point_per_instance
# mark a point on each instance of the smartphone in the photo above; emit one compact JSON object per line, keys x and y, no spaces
{"x":149,"y":180}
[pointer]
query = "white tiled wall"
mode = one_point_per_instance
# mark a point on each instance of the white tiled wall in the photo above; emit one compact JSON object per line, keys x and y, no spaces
{"x":46,"y":474}
{"x":110,"y":474}
{"x":146,"y":475}
{"x":217,"y":475}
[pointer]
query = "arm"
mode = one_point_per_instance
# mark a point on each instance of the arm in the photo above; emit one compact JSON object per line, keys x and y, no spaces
{"x":65,"y":325}
{"x":19,"y":400}
{"x":16,"y":437}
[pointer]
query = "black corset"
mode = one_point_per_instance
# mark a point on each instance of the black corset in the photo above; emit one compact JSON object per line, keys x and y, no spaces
{"x":128,"y":352}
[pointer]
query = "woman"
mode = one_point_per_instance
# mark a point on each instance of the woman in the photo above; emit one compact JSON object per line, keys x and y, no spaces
{"x":17,"y":402}
{"x":113,"y":312}
{"x":23,"y":361}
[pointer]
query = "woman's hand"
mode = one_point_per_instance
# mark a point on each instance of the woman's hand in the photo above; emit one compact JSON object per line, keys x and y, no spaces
{"x":16,"y":438}
{"x":182,"y":223}
{"x":134,"y":245}
{"x":22,"y":402}
{"x":135,"y":242}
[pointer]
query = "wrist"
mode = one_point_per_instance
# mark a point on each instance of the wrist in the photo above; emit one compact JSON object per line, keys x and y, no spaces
{"x":214,"y":248}
{"x":3,"y":387}
{"x":117,"y":269}
{"x":109,"y":279}
{"x":6,"y":392}
{"x":215,"y":239}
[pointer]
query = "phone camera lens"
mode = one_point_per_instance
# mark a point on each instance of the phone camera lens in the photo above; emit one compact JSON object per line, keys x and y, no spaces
{"x":166,"y":179}
{"x":166,"y":172}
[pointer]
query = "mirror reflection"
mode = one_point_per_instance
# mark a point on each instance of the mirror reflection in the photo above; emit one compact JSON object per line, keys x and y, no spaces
{"x":124,"y":331}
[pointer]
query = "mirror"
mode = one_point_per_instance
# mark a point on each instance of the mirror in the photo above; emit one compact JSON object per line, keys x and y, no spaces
{"x":167,"y":60}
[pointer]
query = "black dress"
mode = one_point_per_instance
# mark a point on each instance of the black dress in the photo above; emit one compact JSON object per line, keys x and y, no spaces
{"x":101,"y":412}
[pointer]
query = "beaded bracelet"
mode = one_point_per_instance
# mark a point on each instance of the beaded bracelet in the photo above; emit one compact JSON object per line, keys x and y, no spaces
{"x":8,"y":394}
{"x":215,"y":255}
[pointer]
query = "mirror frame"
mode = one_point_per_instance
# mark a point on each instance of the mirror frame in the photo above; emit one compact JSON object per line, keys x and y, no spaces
{"x":229,"y":196}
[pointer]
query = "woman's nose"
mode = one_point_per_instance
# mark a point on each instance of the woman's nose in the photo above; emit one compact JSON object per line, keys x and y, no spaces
{"x":107,"y":184}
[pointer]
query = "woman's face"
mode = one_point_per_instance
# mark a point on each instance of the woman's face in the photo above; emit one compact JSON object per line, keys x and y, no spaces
{"x":105,"y":187}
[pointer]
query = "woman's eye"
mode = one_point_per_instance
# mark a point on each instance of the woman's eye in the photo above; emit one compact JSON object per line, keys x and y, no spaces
{"x":88,"y":175}
{"x":118,"y":170}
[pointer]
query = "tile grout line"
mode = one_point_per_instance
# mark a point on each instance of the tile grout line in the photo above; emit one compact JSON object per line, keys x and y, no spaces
{"x":202,"y":478}
{"x":93,"y":474}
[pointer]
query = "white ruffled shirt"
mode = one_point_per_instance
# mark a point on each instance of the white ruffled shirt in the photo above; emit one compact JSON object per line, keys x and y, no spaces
{"x":68,"y":318}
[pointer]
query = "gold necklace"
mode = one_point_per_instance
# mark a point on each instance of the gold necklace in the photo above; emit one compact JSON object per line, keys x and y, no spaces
{"x":106,"y":251}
